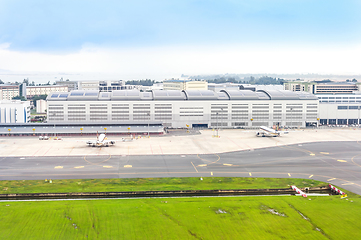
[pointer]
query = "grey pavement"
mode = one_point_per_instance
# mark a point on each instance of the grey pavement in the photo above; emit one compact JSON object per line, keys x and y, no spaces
{"x":331,"y":155}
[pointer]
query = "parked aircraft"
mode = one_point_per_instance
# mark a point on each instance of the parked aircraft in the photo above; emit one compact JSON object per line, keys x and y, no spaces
{"x":269,"y":132}
{"x":101,"y":141}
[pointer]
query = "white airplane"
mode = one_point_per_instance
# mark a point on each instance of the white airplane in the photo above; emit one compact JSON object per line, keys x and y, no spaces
{"x":100,"y":142}
{"x":269,"y":132}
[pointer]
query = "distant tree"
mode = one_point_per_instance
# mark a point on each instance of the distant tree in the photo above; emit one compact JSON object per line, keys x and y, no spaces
{"x":354,"y":80}
{"x":347,"y":80}
{"x":36,"y":97}
{"x":22,"y":98}
{"x":146,"y":82}
{"x":1,"y":82}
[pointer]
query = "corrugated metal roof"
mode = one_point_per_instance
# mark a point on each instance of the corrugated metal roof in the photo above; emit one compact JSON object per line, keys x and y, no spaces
{"x":136,"y":95}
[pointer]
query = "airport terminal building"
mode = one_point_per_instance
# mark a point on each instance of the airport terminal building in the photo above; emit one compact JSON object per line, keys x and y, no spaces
{"x":187,"y":108}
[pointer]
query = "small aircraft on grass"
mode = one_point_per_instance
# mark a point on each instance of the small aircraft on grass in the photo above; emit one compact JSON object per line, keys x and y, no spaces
{"x":101,"y":141}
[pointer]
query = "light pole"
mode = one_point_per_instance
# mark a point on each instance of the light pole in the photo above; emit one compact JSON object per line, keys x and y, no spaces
{"x":217,"y":122}
{"x":221,"y":117}
{"x":148,"y":114}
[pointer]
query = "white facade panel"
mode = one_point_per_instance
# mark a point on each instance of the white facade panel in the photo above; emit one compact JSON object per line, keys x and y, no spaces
{"x":14,"y":111}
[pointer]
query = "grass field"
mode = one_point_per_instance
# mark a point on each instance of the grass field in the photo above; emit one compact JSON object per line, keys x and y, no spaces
{"x":270,"y":217}
{"x":273,"y":217}
{"x":150,"y":184}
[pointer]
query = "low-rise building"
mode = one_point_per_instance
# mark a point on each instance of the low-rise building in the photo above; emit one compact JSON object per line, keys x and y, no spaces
{"x":322,"y":88}
{"x":8,"y":91}
{"x":14,"y":111}
{"x":195,"y":108}
{"x":184,"y":85}
{"x":40,"y":106}
{"x":31,"y":91}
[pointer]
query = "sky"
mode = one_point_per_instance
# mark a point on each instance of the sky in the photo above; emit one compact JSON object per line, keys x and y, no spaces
{"x":162,"y":39}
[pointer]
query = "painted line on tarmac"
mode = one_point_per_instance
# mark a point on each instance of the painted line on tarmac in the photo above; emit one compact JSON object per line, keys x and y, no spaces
{"x":330,"y":179}
{"x":128,"y":166}
{"x":227,"y":164}
{"x":250,"y":174}
{"x":352,"y":159}
{"x":202,"y":165}
{"x":289,"y":174}
{"x":79,"y":167}
{"x":326,"y":153}
{"x":310,"y":176}
{"x":194,"y":167}
{"x":211,"y":173}
{"x":350,"y":183}
{"x":107,"y":166}
{"x":58,"y":167}
{"x":339,"y":160}
{"x":312,"y":154}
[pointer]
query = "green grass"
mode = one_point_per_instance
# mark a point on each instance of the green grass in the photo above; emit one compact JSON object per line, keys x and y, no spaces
{"x":150,"y":184}
{"x":184,"y":218}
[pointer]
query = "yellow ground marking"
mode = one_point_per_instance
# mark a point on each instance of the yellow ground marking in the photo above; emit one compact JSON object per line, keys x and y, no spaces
{"x":227,"y":164}
{"x":58,"y":167}
{"x":79,"y":167}
{"x":127,"y":166}
{"x":211,"y":173}
{"x":324,"y":153}
{"x":331,"y":179}
{"x":310,"y":176}
{"x":110,"y":156}
{"x":341,"y":160}
{"x":352,"y":159}
{"x":289,"y":174}
{"x":208,"y":160}
{"x":194,"y":167}
{"x":351,"y":183}
{"x":312,"y":154}
{"x":107,"y":166}
{"x":250,"y":174}
{"x":202,"y":165}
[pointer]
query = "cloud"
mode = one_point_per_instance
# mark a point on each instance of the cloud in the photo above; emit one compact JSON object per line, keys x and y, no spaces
{"x":65,"y":26}
{"x":175,"y":60}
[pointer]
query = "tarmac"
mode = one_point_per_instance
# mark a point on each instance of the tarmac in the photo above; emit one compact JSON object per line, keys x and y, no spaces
{"x":207,"y":142}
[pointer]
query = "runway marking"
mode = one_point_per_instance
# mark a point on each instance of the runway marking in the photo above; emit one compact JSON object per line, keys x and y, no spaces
{"x":310,"y":176}
{"x":22,"y":158}
{"x":289,"y":174}
{"x":128,"y":166}
{"x":227,"y":164}
{"x":194,"y":167}
{"x":161,"y":150}
{"x":110,"y":156}
{"x":107,"y":166}
{"x":341,"y":160}
{"x":211,"y":173}
{"x":250,"y":174}
{"x":208,"y":160}
{"x":330,"y":179}
{"x":352,"y":159}
{"x":312,"y":154}
{"x":350,"y":183}
{"x":324,"y":153}
{"x":202,"y":165}
{"x":58,"y":167}
{"x":79,"y":167}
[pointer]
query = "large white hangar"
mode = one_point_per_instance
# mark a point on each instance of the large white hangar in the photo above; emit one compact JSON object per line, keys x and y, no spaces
{"x":193,"y":108}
